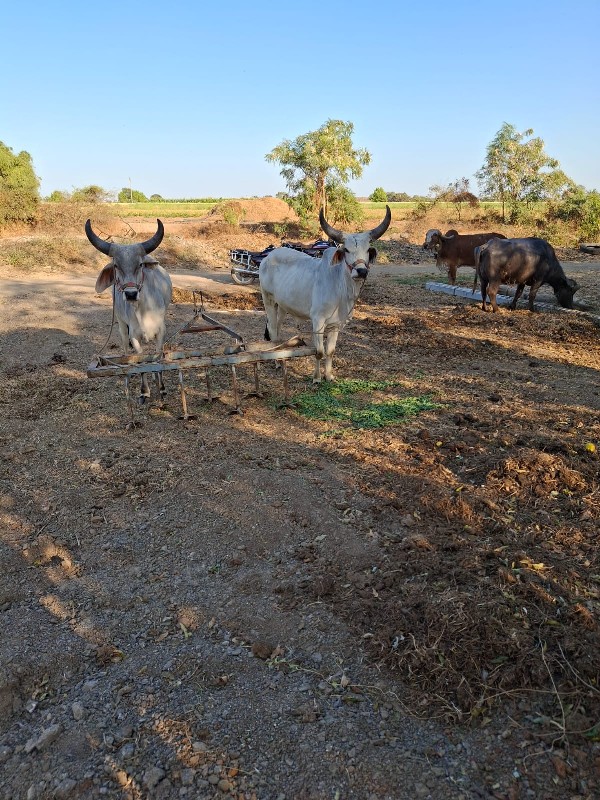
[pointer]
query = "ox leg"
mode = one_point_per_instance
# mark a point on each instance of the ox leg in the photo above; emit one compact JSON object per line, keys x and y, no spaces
{"x":159,"y":348}
{"x":518,"y":293}
{"x":319,"y":343}
{"x":452,"y":274}
{"x":145,"y":388}
{"x":492,"y":292}
{"x":532,"y":293}
{"x":329,"y":351}
{"x":484,"y":288}
{"x":273,"y":320}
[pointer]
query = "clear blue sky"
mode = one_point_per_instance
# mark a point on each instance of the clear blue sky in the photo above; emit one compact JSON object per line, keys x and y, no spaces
{"x":186,"y":98}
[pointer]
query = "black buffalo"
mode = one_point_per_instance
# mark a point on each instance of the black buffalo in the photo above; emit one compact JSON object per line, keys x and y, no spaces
{"x":526,"y":262}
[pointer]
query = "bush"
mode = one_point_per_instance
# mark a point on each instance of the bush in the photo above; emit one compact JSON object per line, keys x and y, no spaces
{"x":379,"y":195}
{"x":131,"y":196}
{"x":343,"y":209}
{"x":582,"y":208}
{"x":89,"y":194}
{"x":19,"y":187}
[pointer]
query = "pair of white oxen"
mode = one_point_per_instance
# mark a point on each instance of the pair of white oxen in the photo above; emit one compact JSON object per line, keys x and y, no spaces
{"x":323,"y":290}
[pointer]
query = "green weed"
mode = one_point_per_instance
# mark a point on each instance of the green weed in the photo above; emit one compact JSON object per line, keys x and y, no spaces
{"x":351,"y":402}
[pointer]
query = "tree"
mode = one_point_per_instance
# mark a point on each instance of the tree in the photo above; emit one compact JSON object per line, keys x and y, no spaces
{"x":127,"y":195}
{"x":378,"y":195}
{"x":57,"y":196}
{"x":517,"y":169}
{"x":19,"y":186}
{"x":315,"y":160}
{"x":457,"y":192}
{"x":89,"y":194}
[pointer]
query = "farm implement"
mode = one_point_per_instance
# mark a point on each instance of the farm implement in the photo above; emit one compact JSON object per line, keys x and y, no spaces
{"x":178,"y":359}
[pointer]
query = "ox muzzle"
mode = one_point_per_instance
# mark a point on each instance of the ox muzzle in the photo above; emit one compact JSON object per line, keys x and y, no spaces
{"x":131,"y":290}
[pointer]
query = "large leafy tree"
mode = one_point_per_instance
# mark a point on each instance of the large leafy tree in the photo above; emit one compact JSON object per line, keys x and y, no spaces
{"x":317,"y":160}
{"x":19,"y":186}
{"x":518,"y":170}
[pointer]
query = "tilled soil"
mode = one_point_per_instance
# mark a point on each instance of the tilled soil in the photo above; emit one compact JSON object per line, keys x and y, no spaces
{"x":274,"y":606}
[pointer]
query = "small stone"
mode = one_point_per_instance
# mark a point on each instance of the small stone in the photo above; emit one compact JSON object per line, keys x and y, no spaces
{"x":224,"y":785}
{"x":45,"y":739}
{"x":187,"y":776}
{"x":64,"y":788}
{"x":126,"y":752}
{"x":559,"y":766}
{"x":213,"y":779}
{"x":152,"y":776}
{"x":199,"y":747}
{"x":78,"y":711}
{"x":262,"y":650}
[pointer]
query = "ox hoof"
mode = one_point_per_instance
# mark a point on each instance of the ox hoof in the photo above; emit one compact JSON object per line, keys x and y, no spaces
{"x":142,"y":399}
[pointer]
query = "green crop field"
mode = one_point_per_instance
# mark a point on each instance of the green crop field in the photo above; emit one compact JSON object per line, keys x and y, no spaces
{"x":163,"y":210}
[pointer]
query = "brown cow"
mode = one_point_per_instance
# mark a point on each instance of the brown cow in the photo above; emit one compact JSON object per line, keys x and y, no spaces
{"x":456,"y":249}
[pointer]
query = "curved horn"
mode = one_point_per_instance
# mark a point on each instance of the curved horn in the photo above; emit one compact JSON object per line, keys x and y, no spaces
{"x":154,"y":242}
{"x":383,"y":226}
{"x":333,"y":233}
{"x":98,"y":243}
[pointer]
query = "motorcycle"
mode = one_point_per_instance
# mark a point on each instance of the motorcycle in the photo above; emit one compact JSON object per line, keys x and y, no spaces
{"x":247,"y":262}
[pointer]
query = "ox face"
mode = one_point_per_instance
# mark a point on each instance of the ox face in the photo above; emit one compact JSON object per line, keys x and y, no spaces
{"x":432,"y":240}
{"x":356,"y":254}
{"x":564,"y":294}
{"x":126,"y":271}
{"x":354,"y":248}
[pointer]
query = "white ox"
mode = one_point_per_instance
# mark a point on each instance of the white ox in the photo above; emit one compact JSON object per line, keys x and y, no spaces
{"x":323,"y":290}
{"x":142,"y":291}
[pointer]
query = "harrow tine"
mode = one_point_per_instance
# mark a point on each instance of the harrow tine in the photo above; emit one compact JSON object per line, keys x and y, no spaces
{"x":185,"y":416}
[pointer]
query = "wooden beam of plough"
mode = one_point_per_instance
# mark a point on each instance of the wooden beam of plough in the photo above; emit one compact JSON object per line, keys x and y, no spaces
{"x":187,"y":359}
{"x":180,"y":360}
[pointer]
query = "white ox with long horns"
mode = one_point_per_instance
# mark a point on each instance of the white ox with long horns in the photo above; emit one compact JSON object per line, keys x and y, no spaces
{"x":142,"y":292}
{"x":323,"y":290}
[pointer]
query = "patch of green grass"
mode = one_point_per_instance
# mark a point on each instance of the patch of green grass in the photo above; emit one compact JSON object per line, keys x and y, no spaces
{"x":351,"y":401}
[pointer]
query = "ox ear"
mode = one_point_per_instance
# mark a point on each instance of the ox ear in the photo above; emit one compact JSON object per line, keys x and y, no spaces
{"x":149,"y":261}
{"x":106,"y":277}
{"x":372,"y":255}
{"x":338,"y":256}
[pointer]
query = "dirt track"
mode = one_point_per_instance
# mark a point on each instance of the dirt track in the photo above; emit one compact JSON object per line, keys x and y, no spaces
{"x":263,"y":605}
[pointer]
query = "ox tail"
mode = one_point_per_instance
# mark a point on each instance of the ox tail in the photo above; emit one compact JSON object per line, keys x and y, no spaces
{"x":267,"y":335}
{"x":477,"y":252}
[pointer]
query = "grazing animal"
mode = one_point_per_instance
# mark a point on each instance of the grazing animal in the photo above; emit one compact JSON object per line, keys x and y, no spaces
{"x":323,"y":290}
{"x":455,"y":249}
{"x":142,"y":291}
{"x":526,"y":262}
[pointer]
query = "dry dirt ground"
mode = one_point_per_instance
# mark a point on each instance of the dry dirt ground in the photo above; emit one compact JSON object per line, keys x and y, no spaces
{"x":269,"y":605}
